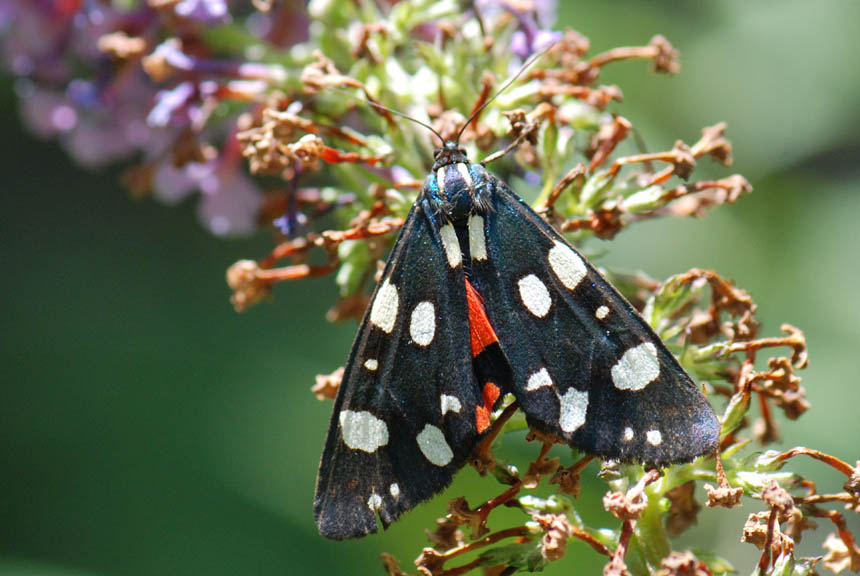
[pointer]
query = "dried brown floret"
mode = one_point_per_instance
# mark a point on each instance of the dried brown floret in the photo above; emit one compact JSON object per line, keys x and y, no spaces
{"x":683,"y":564}
{"x":724,"y":496}
{"x":557,"y":531}
{"x":839,"y":556}
{"x":121,"y":46}
{"x":327,"y":385}
{"x":248,"y":289}
{"x":778,"y":498}
{"x":683,"y":508}
{"x":755,"y":529}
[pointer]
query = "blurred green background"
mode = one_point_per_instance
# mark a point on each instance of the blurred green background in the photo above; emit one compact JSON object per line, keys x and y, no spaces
{"x":146,"y":428}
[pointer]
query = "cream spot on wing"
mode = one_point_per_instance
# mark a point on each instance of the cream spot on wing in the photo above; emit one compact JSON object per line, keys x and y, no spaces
{"x":432,"y":443}
{"x":394,"y":489}
{"x":654,"y":437}
{"x":362,"y":430}
{"x":534,"y":295}
{"x":383,"y":313}
{"x":464,"y":172}
{"x":374,"y":502}
{"x":422,"y":325}
{"x":450,"y":404}
{"x":628,"y":434}
{"x":440,"y":179}
{"x":637,"y":368}
{"x":451,"y":245}
{"x":539,"y":379}
{"x":371,"y":364}
{"x":574,"y":405}
{"x":477,"y":241}
{"x":602,"y":312}
{"x":567,"y":265}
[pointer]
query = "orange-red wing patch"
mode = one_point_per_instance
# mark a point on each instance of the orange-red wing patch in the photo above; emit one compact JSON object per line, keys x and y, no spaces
{"x":480,"y":330}
{"x":490,"y":393}
{"x":482,"y":418}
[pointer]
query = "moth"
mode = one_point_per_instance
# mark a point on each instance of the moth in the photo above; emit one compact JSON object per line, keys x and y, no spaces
{"x":481,"y":297}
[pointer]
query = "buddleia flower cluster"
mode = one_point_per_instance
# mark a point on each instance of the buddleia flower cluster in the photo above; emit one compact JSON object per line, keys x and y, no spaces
{"x":286,"y":117}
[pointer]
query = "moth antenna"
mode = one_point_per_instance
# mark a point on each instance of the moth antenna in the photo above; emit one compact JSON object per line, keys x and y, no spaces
{"x":642,"y":147}
{"x":387,"y":109}
{"x":528,"y":63}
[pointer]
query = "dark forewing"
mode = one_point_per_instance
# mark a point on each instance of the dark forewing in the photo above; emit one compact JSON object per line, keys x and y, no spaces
{"x":586,"y":365}
{"x":403,"y":421}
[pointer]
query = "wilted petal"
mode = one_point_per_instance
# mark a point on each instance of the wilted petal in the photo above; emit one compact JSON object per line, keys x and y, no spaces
{"x":172,"y":185}
{"x":229,"y":204}
{"x":206,"y":11}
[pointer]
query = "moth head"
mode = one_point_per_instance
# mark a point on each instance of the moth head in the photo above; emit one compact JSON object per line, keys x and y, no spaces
{"x":449,"y":153}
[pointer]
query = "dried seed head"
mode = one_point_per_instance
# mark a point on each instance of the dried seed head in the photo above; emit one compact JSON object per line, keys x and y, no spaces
{"x":755,"y":529}
{"x":447,"y":534}
{"x":683,"y":564}
{"x":852,"y":486}
{"x":616,"y":567}
{"x":778,"y":498}
{"x":557,"y":531}
{"x":248,"y":288}
{"x":121,"y":46}
{"x":683,"y":161}
{"x":839,"y":556}
{"x":389,"y":562}
{"x":683,"y":508}
{"x":724,"y":496}
{"x":568,"y":481}
{"x":327,"y":385}
{"x":624,"y":508}
{"x":666,"y":60}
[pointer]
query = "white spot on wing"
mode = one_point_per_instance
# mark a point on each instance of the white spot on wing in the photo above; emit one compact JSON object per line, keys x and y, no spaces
{"x":637,"y":368}
{"x":440,"y":179}
{"x":464,"y":172}
{"x":628,"y":434}
{"x":654,"y":437}
{"x":450,"y":404}
{"x":374,"y":502}
{"x":394,"y":489}
{"x":477,"y":241}
{"x":602,"y":312}
{"x":574,"y":405}
{"x":539,"y":379}
{"x":534,"y":295}
{"x":383,"y":313}
{"x":567,"y":265}
{"x":432,"y":443}
{"x":362,"y":430}
{"x":422,"y":326}
{"x":371,"y":364}
{"x":451,"y":245}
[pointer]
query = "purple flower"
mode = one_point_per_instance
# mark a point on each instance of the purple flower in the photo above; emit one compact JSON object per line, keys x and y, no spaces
{"x":172,"y":184}
{"x":168,"y":103}
{"x":205,"y":11}
{"x":106,"y":106}
{"x":229,"y":203}
{"x":534,"y":33}
{"x":46,"y":112}
{"x":524,"y":44}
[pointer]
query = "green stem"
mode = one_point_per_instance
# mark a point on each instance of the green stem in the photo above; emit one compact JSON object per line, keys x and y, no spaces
{"x":650,"y":533}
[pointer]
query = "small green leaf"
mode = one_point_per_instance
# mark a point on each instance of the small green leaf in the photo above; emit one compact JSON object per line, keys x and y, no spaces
{"x":516,"y":555}
{"x":716,"y":564}
{"x":355,"y":258}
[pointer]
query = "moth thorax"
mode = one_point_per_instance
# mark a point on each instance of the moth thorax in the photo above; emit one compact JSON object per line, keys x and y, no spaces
{"x":456,"y":187}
